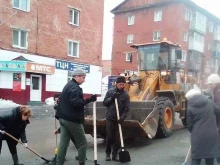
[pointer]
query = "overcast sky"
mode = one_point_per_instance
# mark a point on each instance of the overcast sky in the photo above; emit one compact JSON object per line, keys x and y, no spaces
{"x":210,"y":5}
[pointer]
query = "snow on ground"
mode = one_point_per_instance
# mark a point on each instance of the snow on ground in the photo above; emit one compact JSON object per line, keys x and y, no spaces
{"x":49,"y":101}
{"x":7,"y":103}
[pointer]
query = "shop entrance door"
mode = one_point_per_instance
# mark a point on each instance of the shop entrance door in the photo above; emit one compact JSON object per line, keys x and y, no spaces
{"x":36,"y":88}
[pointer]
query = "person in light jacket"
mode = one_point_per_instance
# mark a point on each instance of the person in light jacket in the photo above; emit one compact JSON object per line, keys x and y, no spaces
{"x":201,"y":123}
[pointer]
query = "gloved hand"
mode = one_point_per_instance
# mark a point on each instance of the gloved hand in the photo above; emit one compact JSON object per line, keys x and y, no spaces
{"x":115,"y":95}
{"x":2,"y":131}
{"x":120,"y":121}
{"x":93,"y":98}
{"x":25,"y":145}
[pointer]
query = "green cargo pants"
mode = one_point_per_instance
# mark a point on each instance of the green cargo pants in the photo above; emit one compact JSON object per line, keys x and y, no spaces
{"x":75,"y":132}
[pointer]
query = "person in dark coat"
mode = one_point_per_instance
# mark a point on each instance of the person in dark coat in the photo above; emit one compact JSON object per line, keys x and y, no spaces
{"x":214,"y":84}
{"x":111,"y":116}
{"x":201,"y":123}
{"x":71,"y":117}
{"x":14,"y":122}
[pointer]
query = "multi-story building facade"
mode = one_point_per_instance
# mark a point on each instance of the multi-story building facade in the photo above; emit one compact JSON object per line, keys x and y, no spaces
{"x":54,"y":37}
{"x":180,"y":21}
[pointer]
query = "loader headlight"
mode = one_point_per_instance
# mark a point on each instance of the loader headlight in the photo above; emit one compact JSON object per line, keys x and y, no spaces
{"x":165,"y":73}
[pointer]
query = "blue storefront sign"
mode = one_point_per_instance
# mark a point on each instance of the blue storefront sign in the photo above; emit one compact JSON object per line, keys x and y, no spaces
{"x":111,"y":81}
{"x":19,"y":66}
{"x":71,"y":66}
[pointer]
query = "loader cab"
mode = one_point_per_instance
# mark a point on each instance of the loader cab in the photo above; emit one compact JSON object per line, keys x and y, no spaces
{"x":158,"y":56}
{"x":161,"y":56}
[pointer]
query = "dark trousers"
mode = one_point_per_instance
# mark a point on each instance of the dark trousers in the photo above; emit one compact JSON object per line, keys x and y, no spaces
{"x":112,"y":139}
{"x":10,"y":142}
{"x":208,"y":161}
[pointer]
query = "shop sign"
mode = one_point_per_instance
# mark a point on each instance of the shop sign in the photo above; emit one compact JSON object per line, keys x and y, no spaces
{"x":40,"y":68}
{"x":19,"y":66}
{"x":71,"y":66}
{"x":16,"y":81}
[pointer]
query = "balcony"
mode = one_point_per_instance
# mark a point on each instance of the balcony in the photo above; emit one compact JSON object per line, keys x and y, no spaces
{"x":198,"y":26}
{"x":217,"y":36}
{"x":216,"y":54}
{"x":192,"y":66}
{"x":193,"y":45}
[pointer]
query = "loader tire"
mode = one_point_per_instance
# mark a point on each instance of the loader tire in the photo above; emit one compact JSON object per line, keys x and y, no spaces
{"x":166,"y":117}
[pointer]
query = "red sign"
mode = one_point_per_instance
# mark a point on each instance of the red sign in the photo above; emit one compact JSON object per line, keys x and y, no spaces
{"x":16,"y":81}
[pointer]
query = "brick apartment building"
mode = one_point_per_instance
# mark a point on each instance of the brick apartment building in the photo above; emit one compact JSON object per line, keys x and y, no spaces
{"x":180,"y":21}
{"x":41,"y":42}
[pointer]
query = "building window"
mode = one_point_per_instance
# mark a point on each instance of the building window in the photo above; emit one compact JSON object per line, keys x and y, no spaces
{"x":187,"y":15}
{"x":73,"y":48}
{"x":22,"y":5}
{"x":183,"y":55}
{"x":130,"y":38}
{"x":74,"y":17}
{"x":131,"y":20}
{"x":199,"y":38}
{"x":209,"y":46}
{"x":20,"y":38}
{"x":185,"y":36}
{"x":211,"y":27}
{"x":156,"y":36}
{"x":128,"y":57}
{"x":157,"y":16}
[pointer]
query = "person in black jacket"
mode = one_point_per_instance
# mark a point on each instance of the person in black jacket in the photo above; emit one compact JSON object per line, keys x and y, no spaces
{"x":14,"y":122}
{"x":71,"y":117}
{"x":201,"y":123}
{"x":111,"y":116}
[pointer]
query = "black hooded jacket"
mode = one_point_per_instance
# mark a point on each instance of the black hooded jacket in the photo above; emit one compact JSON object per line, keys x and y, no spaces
{"x":11,"y":122}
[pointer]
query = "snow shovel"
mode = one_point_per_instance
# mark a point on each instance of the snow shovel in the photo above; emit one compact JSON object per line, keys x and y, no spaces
{"x":124,"y":155}
{"x":95,"y":133}
{"x":188,"y":157}
{"x":27,"y":147}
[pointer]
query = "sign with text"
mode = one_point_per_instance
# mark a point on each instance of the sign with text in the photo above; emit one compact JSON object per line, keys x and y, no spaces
{"x":16,"y":81}
{"x":71,"y":66}
{"x":40,"y":68}
{"x":19,"y":66}
{"x":111,"y":81}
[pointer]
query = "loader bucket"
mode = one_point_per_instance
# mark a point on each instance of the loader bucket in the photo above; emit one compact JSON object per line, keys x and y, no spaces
{"x":142,"y":120}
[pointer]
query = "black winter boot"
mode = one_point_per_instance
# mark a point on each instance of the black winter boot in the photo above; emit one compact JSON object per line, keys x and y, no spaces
{"x":15,"y":159}
{"x":115,"y":158}
{"x":108,"y":158}
{"x":81,"y":163}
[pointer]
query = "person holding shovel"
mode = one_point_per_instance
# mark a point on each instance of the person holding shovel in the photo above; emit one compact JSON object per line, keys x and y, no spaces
{"x":112,"y":131}
{"x":201,"y":123}
{"x":14,"y":122}
{"x":71,"y":117}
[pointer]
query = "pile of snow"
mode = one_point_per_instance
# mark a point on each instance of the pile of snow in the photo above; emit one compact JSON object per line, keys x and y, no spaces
{"x":49,"y":101}
{"x":7,"y":103}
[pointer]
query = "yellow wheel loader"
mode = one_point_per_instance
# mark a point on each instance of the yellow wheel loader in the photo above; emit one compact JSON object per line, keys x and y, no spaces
{"x":156,"y":93}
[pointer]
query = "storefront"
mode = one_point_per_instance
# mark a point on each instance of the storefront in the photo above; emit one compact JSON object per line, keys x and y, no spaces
{"x":28,"y":78}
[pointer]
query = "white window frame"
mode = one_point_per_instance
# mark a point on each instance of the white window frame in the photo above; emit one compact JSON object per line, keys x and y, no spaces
{"x":19,"y":8}
{"x":156,"y":35}
{"x":210,"y":46}
{"x":130,"y":38}
{"x":211,"y":27}
{"x":187,"y":15}
{"x":185,"y":36}
{"x":183,"y":55}
{"x":71,"y":55}
{"x":19,"y":39}
{"x":131,"y":20}
{"x":158,"y":15}
{"x":199,"y":38}
{"x":72,"y":21}
{"x":128,"y":56}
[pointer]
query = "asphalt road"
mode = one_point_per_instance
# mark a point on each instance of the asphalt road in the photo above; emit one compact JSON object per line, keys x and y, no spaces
{"x":168,"y":151}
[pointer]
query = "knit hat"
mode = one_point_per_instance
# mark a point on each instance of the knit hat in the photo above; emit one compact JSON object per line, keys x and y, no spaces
{"x":120,"y":79}
{"x":192,"y":92}
{"x":79,"y":72}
